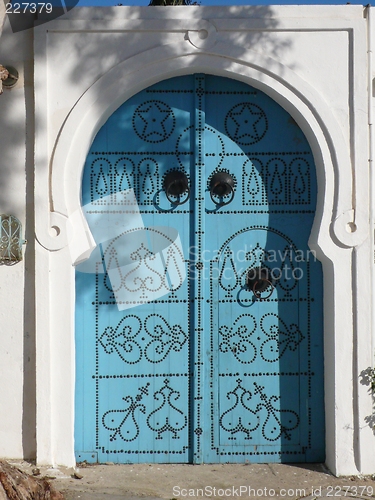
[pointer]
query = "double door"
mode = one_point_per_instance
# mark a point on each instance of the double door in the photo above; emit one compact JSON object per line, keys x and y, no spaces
{"x":199,"y":314}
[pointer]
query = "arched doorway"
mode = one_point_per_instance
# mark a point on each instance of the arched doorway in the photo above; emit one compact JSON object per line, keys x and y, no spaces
{"x":182,"y":354}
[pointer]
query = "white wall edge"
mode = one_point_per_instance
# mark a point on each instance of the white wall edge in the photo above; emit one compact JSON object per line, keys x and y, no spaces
{"x":58,"y":190}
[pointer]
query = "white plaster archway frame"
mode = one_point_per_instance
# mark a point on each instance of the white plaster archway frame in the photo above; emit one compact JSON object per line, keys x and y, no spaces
{"x":281,"y":83}
{"x":64,"y":236}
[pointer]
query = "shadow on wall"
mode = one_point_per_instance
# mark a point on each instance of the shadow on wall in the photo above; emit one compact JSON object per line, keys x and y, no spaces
{"x":17,"y":113}
{"x":260,"y":39}
{"x":16,"y":170}
{"x":367,"y":378}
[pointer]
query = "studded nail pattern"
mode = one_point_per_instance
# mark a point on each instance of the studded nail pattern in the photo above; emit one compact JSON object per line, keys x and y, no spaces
{"x":206,"y":371}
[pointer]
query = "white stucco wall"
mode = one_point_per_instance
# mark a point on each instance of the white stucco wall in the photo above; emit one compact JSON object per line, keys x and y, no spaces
{"x":312,"y":59}
{"x":2,"y":17}
{"x":17,"y":359}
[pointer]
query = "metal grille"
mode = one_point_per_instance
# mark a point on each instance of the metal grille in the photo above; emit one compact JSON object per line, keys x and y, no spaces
{"x":11,"y":239}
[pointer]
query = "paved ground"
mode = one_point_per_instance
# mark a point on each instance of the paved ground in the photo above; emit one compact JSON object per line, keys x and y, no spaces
{"x":227,"y":481}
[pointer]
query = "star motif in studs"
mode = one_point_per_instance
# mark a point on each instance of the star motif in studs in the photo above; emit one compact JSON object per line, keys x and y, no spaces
{"x":154,"y":121}
{"x":246,"y":123}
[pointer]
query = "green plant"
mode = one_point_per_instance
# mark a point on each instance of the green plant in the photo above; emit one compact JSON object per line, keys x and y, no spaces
{"x":372,"y":379}
{"x":367,"y":377}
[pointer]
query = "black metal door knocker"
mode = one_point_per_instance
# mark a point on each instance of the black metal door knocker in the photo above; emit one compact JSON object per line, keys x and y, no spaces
{"x":176,"y":184}
{"x":258,"y":280}
{"x":222,"y":184}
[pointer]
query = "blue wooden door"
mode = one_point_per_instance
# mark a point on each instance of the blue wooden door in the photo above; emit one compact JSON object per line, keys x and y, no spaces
{"x":182,"y":355}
